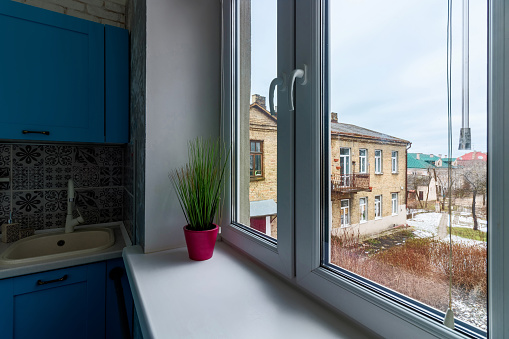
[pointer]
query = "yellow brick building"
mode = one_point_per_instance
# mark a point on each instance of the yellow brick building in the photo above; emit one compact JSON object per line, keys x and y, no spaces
{"x":368,"y":172}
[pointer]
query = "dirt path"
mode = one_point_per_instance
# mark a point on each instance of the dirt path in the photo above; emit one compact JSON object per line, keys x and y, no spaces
{"x":442,"y":226}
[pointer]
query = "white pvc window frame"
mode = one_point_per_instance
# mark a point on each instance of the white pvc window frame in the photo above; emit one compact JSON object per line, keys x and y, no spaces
{"x":363,"y":167}
{"x":378,"y":161}
{"x":275,"y":254}
{"x":363,"y":210}
{"x":394,"y":161}
{"x":394,"y":203}
{"x":385,"y":316}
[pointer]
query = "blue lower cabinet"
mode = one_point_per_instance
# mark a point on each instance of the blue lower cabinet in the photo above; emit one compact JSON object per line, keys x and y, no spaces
{"x":119,"y":301}
{"x":64,"y":303}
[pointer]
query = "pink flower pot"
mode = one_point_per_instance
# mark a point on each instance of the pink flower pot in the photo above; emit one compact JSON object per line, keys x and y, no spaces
{"x":200,"y":244}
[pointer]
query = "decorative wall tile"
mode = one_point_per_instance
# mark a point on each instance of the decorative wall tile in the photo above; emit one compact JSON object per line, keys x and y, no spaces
{"x":20,"y":178}
{"x":111,"y":197}
{"x":110,"y":176}
{"x":91,"y":216}
{"x":5,"y":172}
{"x":111,"y":156}
{"x":55,"y":201}
{"x":85,"y":156}
{"x":57,"y":177}
{"x":58,"y":156}
{"x":5,"y":155}
{"x":27,"y":155}
{"x":36,"y":221}
{"x":28,"y":202}
{"x":5,"y":165}
{"x":54,"y":220}
{"x":39,"y":176}
{"x":86,"y":176}
{"x":110,"y":214}
{"x":5,"y":206}
{"x":87,"y":199}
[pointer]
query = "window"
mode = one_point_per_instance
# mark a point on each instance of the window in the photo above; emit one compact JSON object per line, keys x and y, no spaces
{"x":256,"y":159}
{"x":307,"y":184}
{"x":378,"y":207}
{"x":394,"y":162}
{"x":345,"y":212}
{"x":362,"y":160}
{"x":363,"y":202}
{"x":378,"y":161}
{"x":394,"y":203}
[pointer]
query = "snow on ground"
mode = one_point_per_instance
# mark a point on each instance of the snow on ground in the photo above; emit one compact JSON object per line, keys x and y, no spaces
{"x":426,"y":225}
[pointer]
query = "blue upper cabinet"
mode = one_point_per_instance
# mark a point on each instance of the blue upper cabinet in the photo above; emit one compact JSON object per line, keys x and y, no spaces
{"x":117,"y":84}
{"x":53,"y":75}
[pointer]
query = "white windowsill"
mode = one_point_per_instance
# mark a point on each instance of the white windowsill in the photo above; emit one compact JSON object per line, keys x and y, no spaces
{"x":227,"y":296}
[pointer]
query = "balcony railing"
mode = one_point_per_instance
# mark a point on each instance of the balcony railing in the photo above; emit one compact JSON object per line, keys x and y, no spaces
{"x":349,"y":183}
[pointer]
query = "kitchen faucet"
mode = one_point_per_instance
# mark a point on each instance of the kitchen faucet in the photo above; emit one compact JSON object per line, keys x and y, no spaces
{"x":70,"y":222}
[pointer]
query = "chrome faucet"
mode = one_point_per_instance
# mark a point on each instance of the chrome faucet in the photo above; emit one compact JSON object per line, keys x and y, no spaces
{"x":70,"y":222}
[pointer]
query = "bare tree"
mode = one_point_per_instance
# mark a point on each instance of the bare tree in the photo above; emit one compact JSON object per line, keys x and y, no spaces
{"x":475,"y":175}
{"x":416,"y":180}
{"x":442,"y":178}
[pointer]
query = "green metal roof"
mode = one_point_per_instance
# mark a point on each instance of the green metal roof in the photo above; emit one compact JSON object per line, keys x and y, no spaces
{"x":413,"y":162}
{"x":425,"y":160}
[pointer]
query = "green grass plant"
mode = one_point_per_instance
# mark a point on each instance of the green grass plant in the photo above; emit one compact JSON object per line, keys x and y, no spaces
{"x":469,"y":233}
{"x":200,"y":183}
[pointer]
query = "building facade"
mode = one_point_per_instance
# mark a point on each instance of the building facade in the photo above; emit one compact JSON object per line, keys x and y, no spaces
{"x":368,"y":179}
{"x":368,"y":174}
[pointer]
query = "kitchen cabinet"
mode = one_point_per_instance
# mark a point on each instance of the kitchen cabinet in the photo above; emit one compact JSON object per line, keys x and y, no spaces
{"x":63,"y":78}
{"x":75,"y":302}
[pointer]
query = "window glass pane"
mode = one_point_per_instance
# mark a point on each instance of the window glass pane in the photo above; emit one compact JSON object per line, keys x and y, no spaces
{"x":388,"y":108}
{"x":256,"y":200}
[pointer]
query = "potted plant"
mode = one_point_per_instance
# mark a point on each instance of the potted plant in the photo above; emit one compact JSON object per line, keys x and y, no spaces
{"x":199,"y":187}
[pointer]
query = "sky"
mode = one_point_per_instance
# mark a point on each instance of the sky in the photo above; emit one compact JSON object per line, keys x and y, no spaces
{"x":388,"y":67}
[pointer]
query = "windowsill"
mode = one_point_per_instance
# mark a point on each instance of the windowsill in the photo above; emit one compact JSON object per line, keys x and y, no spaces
{"x":256,"y":178}
{"x":378,"y":218}
{"x":227,"y":296}
{"x":395,"y":172}
{"x":379,"y":173}
{"x":363,"y":222}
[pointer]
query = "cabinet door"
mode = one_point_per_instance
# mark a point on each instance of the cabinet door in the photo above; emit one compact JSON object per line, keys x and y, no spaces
{"x":65,"y":303}
{"x":116,"y":80}
{"x":52,"y":75}
{"x":113,"y":314}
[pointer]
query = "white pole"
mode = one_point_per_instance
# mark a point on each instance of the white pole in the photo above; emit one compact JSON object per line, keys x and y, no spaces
{"x":465,"y":138}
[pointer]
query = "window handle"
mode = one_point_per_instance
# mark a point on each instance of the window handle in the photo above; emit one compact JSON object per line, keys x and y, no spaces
{"x":281,"y":82}
{"x":297,"y":73}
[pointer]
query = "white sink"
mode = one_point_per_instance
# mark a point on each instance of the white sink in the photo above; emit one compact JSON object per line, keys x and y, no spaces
{"x":58,"y":245}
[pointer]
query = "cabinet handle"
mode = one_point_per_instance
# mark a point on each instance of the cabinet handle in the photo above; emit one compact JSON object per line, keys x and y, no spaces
{"x":41,"y":282}
{"x":38,"y":132}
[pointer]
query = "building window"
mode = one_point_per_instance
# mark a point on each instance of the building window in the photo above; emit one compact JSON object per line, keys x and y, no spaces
{"x":363,"y":202}
{"x":394,"y":162}
{"x":362,"y":161}
{"x":345,"y":212}
{"x":256,"y":159}
{"x":378,"y":161}
{"x":394,"y":203}
{"x":378,"y":207}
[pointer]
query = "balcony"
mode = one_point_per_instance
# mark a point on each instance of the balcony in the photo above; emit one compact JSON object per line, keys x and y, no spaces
{"x":349,"y":183}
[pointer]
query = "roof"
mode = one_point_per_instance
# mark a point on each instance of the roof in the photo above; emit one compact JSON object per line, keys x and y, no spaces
{"x":263,"y":110}
{"x":426,"y":161}
{"x":413,"y":162}
{"x":364,"y":133}
{"x":473,"y":156}
{"x":262,"y":208}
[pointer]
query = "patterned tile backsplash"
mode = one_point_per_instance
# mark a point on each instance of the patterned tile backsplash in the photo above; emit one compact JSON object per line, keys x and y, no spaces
{"x":37,"y":189}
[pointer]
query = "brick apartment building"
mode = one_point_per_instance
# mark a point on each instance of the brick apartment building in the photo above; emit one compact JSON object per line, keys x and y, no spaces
{"x":368,"y":174}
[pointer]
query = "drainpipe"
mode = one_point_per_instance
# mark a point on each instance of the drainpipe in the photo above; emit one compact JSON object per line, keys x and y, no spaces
{"x":406,"y":174}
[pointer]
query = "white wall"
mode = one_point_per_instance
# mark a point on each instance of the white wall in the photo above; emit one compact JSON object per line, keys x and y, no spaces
{"x":183,"y":102}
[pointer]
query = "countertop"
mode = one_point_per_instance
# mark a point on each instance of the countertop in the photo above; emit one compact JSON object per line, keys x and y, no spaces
{"x":115,"y":251}
{"x":227,"y":296}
